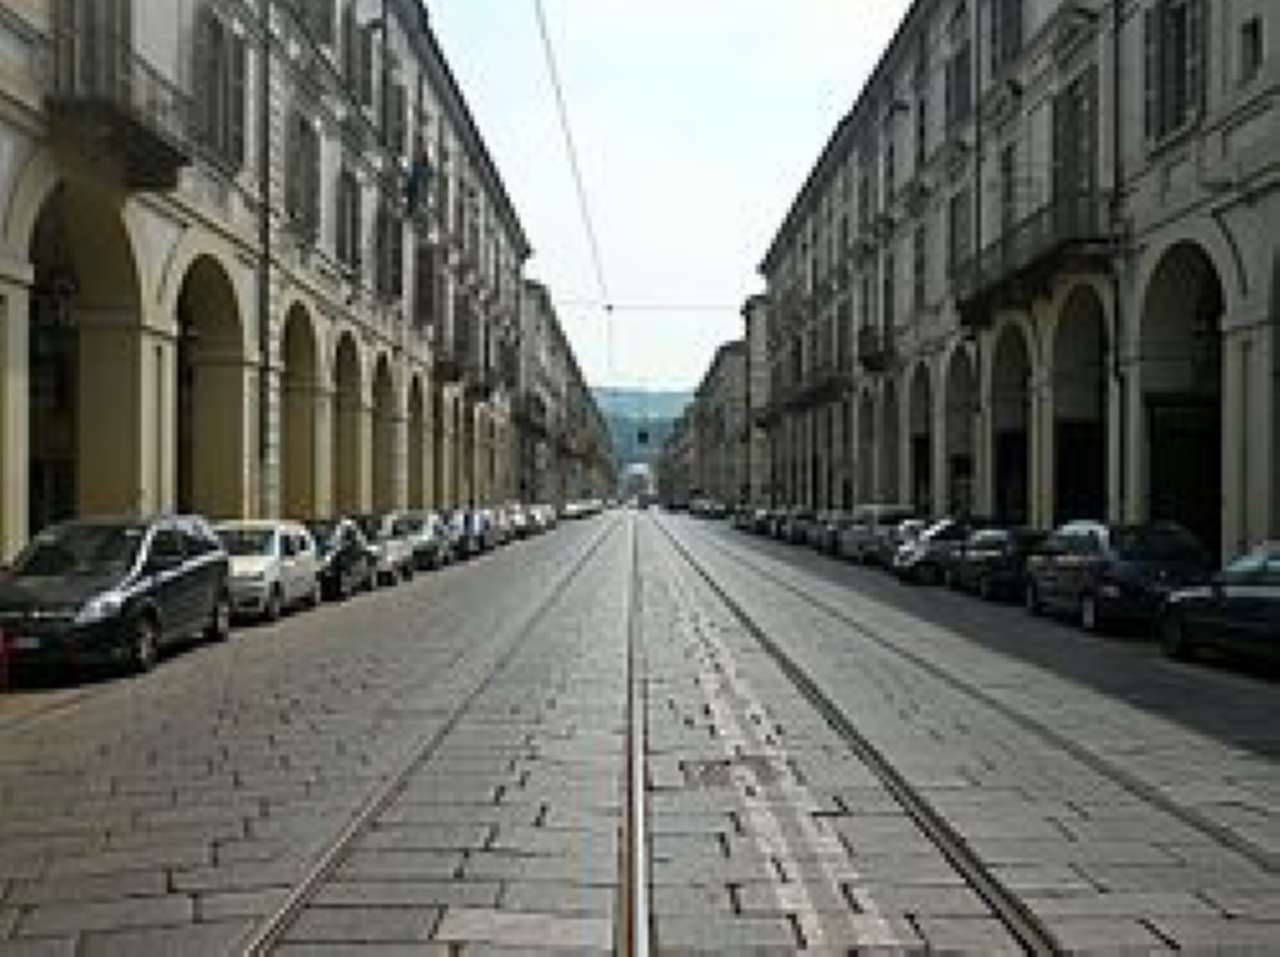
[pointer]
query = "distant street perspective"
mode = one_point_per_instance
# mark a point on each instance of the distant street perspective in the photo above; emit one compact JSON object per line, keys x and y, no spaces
{"x":565,"y":477}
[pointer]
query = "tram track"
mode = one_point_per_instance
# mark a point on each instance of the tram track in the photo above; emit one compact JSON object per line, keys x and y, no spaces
{"x":633,"y":878}
{"x":274,"y":927}
{"x":1005,"y":905}
{"x":1265,"y":860}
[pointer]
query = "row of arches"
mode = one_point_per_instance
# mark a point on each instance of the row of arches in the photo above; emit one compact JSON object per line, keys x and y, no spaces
{"x":1038,"y":419}
{"x":139,"y":400}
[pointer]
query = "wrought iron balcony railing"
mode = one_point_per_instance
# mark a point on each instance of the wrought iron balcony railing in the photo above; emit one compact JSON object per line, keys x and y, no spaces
{"x":1071,"y":230}
{"x":106,"y":101}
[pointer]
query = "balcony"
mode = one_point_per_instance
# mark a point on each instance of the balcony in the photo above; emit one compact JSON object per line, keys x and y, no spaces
{"x":824,"y":382}
{"x":531,"y":412}
{"x":875,"y":349}
{"x":1067,"y":233}
{"x":107,"y":103}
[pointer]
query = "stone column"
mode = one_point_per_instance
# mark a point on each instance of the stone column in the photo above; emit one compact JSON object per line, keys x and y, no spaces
{"x":324,"y":479}
{"x":15,"y":357}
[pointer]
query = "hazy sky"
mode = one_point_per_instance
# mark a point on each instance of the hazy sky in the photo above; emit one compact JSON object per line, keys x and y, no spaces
{"x":696,"y":122}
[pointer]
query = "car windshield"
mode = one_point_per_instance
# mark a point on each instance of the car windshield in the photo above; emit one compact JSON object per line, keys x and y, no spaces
{"x":322,"y":532}
{"x":371,"y":525}
{"x":77,"y":549}
{"x":248,"y":541}
{"x":1156,"y":544}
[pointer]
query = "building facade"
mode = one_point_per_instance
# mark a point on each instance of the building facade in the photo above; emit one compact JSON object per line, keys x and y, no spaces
{"x":1031,"y":274}
{"x":760,"y":489}
{"x":255,"y":259}
{"x":719,"y":412}
{"x":559,"y":444}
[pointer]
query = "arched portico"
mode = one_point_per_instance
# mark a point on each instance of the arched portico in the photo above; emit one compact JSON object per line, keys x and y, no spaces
{"x":298,"y":419}
{"x":212,"y":447}
{"x":417,"y":444}
{"x":890,"y":442}
{"x":350,"y":429}
{"x":79,"y":358}
{"x":961,"y":406}
{"x":1180,"y":359}
{"x":920,"y":419}
{"x":1011,"y":423}
{"x":1080,"y":404}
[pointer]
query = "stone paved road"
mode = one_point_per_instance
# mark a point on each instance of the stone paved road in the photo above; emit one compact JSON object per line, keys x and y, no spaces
{"x":173,"y":813}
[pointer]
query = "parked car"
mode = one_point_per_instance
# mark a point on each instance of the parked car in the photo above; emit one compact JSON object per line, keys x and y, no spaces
{"x":114,"y":592}
{"x":869,"y":525}
{"x":796,"y":528}
{"x":388,"y":536}
{"x":1236,"y":611}
{"x":346,"y":560}
{"x":503,"y":531}
{"x":992,"y":562}
{"x":521,"y":520}
{"x":824,"y":534}
{"x":427,"y":539}
{"x":273,"y":567}
{"x":924,"y":559}
{"x":1106,"y":574}
{"x":895,"y":537}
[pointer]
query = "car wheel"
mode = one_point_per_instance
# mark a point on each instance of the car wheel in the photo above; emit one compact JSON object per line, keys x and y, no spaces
{"x":274,"y":606}
{"x":219,"y":627}
{"x":145,"y":645}
{"x":1032,"y":599}
{"x":1173,"y":638}
{"x":1090,"y":620}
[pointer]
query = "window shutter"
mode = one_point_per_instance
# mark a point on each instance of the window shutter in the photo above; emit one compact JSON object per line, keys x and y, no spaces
{"x":322,"y":21}
{"x":202,"y":74}
{"x":292,"y":183}
{"x":350,"y":52}
{"x":1196,"y":53}
{"x":401,"y":118}
{"x":313,"y":181}
{"x":340,"y":218}
{"x":236,"y":97}
{"x":365,"y":64}
{"x":1058,"y":143}
{"x":1150,"y":73}
{"x":357,"y":225}
{"x":397,"y":257}
{"x":997,"y":44}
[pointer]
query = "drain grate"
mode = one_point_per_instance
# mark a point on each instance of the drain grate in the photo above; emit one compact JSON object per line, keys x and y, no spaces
{"x":719,"y":773}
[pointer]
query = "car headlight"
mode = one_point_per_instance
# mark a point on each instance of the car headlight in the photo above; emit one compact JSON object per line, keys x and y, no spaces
{"x":99,"y":608}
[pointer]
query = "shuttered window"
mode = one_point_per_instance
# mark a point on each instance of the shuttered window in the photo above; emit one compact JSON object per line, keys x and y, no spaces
{"x":890,"y":284}
{"x":317,"y":17}
{"x":302,"y":176}
{"x":388,"y":253}
{"x":959,"y":84}
{"x":347,"y":218}
{"x":219,"y":64}
{"x":395,"y":117}
{"x":919,"y":274}
{"x":1006,"y":33}
{"x":364,"y":64}
{"x":958,"y":244}
{"x":1173,"y":65}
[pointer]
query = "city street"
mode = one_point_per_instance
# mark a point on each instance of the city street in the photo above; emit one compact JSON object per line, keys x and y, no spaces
{"x":830,"y":761}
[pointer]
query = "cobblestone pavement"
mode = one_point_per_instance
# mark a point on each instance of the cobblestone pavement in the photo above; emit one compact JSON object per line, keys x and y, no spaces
{"x":1160,"y":825}
{"x":1128,"y":801}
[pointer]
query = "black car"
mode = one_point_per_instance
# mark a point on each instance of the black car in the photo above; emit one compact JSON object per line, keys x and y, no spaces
{"x":993,"y":561}
{"x":346,"y":561}
{"x":1105,"y":575}
{"x":1237,"y":610}
{"x":114,"y":591}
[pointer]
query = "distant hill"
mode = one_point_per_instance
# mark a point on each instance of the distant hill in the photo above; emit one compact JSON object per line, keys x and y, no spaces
{"x":639,"y":421}
{"x":641,"y":403}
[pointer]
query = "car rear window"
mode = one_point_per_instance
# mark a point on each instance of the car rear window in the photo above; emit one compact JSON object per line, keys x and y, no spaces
{"x":1156,"y":544}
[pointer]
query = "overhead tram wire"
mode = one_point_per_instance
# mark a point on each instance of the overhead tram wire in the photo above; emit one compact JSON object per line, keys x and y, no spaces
{"x":575,"y":168}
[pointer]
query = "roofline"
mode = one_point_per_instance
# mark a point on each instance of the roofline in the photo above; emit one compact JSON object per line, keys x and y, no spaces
{"x":845,"y":125}
{"x":453,"y":100}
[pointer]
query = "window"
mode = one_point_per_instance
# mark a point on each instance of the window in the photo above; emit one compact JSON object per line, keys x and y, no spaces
{"x":302,"y":177}
{"x":1250,"y":49}
{"x":389,"y":253}
{"x":959,"y":84}
{"x":1008,"y":187}
{"x":959,"y":231}
{"x":922,"y":132}
{"x":347,"y":218}
{"x":317,"y":17}
{"x":395,"y":117}
{"x":889,"y":284}
{"x":1006,"y":33}
{"x":890,"y":170}
{"x":219,"y":69}
{"x":919,"y":274}
{"x":1173,"y":37}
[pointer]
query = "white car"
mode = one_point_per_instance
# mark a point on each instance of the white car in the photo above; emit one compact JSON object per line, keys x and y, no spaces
{"x":273,"y":567}
{"x":390,"y":537}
